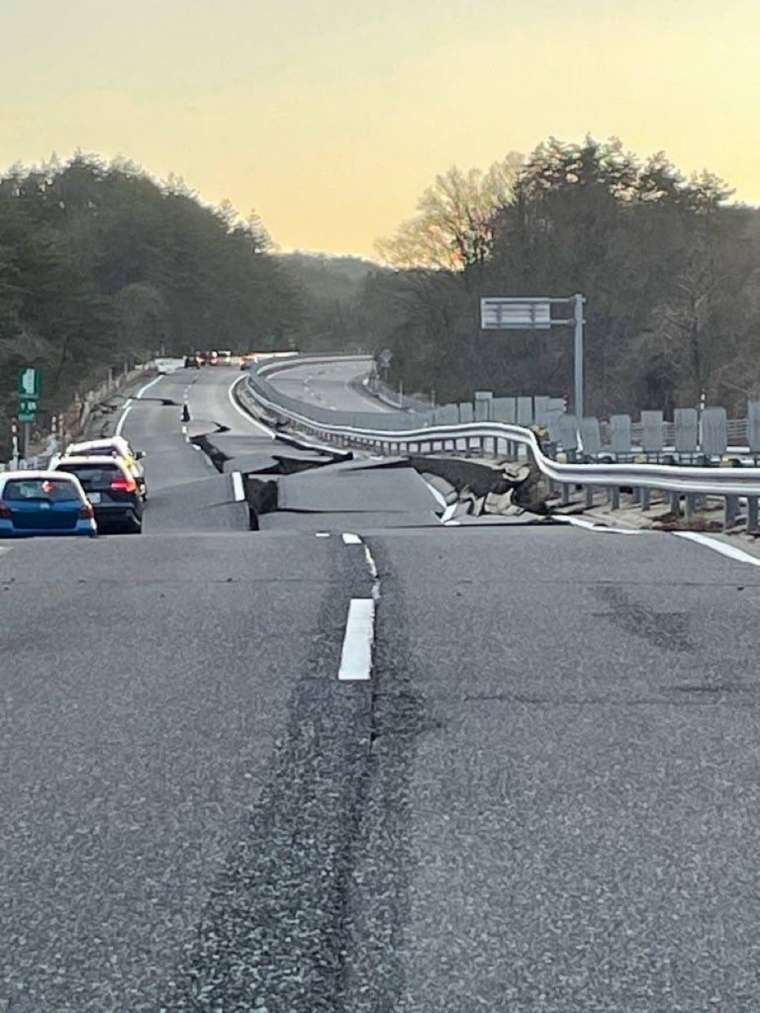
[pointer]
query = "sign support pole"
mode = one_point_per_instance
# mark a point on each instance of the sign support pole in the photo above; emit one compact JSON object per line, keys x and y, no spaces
{"x":578,"y":356}
{"x":534,"y":313}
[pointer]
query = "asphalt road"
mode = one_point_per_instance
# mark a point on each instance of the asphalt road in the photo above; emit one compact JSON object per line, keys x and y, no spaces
{"x":333,"y":385}
{"x":544,"y":798}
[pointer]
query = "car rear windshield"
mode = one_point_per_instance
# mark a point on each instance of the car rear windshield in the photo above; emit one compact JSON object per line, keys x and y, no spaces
{"x":40,"y":488}
{"x":93,"y":476}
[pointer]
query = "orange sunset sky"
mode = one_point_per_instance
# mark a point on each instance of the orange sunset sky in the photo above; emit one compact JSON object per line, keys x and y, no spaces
{"x":329,"y":118}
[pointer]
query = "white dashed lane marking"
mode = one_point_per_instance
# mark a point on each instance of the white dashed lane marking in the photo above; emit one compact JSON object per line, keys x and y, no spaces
{"x":359,"y":638}
{"x":237,"y":486}
{"x":356,"y":655}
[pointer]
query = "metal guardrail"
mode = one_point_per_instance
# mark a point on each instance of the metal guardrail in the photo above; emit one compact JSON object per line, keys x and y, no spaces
{"x":403,"y":436}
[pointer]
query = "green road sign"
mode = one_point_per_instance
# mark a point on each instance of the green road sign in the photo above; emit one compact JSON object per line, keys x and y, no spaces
{"x":27,"y":405}
{"x":29,"y":381}
{"x":26,"y":416}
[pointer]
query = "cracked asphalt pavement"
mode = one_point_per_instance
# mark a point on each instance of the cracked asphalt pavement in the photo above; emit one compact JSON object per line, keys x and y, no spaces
{"x":546,"y":797}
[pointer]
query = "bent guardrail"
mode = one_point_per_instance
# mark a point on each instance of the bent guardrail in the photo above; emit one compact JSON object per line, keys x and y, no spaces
{"x":397,"y":433}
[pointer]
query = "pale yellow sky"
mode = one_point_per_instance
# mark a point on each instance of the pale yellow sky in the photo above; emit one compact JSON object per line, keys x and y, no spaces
{"x":329,"y":117}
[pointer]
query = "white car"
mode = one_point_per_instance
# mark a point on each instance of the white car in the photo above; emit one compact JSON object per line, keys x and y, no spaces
{"x":112,"y":446}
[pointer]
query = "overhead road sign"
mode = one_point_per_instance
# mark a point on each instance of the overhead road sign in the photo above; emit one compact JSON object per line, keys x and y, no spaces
{"x":515,"y":314}
{"x":534,"y":313}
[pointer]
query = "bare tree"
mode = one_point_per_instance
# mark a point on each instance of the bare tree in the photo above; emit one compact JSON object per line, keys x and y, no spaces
{"x":453,"y":227}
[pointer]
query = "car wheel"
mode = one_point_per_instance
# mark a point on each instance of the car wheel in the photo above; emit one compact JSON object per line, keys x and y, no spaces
{"x":135,"y":526}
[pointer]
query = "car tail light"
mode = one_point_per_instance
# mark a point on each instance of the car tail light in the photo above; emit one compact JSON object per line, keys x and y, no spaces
{"x":86,"y":512}
{"x":123,"y":484}
{"x":5,"y":510}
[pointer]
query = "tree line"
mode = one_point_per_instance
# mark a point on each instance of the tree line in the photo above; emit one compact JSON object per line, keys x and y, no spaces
{"x":100,"y":265}
{"x":669,"y":266}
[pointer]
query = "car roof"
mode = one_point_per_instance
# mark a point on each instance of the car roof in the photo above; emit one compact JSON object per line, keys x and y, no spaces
{"x":92,"y":459}
{"x":104,"y":441}
{"x":37,"y":476}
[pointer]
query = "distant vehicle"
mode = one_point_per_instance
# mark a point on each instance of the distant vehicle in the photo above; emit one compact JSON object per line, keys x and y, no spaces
{"x":115,"y":446}
{"x":224,"y":358}
{"x":192,"y":361}
{"x":111,"y":488}
{"x":44,"y":503}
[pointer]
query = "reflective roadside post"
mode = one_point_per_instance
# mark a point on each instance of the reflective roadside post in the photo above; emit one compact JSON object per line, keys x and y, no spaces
{"x":534,"y":313}
{"x":14,"y":444}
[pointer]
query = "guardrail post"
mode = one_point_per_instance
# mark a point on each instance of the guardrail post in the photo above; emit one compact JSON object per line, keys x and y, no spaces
{"x":645,"y":499}
{"x":589,"y":496}
{"x":751,"y":515}
{"x":731,"y":510}
{"x":675,"y":503}
{"x":614,"y":497}
{"x":636,"y":495}
{"x":565,"y":494}
{"x":691,"y":505}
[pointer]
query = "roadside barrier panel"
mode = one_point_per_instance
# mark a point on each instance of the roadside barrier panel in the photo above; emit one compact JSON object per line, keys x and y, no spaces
{"x":651,"y":432}
{"x":620,"y":432}
{"x":525,"y":411}
{"x":753,"y":426}
{"x":505,"y":409}
{"x":714,"y":432}
{"x":568,"y":429}
{"x":540,"y":409}
{"x":686,"y":421}
{"x":590,"y":435}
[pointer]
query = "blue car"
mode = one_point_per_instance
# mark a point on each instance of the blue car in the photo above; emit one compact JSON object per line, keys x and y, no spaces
{"x":44,"y":503}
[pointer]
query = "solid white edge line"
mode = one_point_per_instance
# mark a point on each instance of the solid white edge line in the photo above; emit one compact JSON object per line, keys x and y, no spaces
{"x":350,"y":539}
{"x":448,"y":513}
{"x":356,"y":654}
{"x":130,"y":403}
{"x":244,"y":414}
{"x":578,"y":522}
{"x":730,"y":551}
{"x":237,"y":486}
{"x":437,"y":494}
{"x":725,"y":550}
{"x":150,"y":383}
{"x":123,"y":418}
